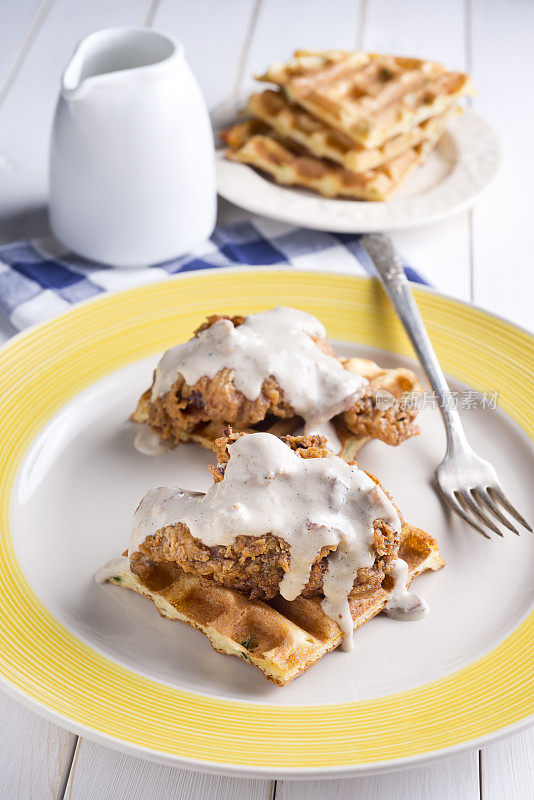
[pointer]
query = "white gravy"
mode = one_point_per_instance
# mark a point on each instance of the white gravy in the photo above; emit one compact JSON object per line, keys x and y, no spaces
{"x":328,"y":430}
{"x":278,"y":343}
{"x":149,"y":443}
{"x":309,"y":503}
{"x":402,"y":603}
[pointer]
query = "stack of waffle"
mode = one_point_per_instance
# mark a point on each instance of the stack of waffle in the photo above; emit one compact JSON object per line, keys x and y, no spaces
{"x":347,"y":124}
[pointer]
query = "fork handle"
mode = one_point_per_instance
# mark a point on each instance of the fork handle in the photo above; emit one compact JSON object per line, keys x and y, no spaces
{"x":397,"y":288}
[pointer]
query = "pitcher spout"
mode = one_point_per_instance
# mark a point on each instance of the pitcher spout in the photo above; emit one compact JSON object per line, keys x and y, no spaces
{"x":114,"y":54}
{"x":72,"y":82}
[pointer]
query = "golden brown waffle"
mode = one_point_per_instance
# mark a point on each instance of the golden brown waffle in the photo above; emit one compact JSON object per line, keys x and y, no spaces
{"x":238,"y":134}
{"x":289,"y":166}
{"x":282,"y":638}
{"x":367,"y":96}
{"x":396,"y":381}
{"x":295,"y":124}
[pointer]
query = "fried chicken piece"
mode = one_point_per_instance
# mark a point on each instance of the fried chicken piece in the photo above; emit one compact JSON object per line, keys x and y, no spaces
{"x":381,"y":412}
{"x":215,"y":402}
{"x":252,"y":565}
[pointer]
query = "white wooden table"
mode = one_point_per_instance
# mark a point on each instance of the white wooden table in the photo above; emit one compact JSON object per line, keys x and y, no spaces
{"x":485,"y":256}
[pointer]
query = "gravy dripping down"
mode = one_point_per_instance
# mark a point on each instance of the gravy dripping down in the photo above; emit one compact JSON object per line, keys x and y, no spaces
{"x":309,"y":503}
{"x":403,"y":603}
{"x":277,"y":342}
{"x":149,"y":443}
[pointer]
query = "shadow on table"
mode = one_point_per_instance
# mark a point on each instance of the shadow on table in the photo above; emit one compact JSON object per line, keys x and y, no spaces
{"x":28,"y":222}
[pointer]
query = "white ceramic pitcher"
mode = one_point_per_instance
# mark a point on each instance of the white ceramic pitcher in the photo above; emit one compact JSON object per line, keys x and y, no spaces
{"x":132,"y":174}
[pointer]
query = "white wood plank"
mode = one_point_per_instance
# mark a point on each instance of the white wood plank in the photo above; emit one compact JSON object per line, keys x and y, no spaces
{"x":507,"y":768}
{"x":441,"y":254}
{"x":301,"y":24}
{"x":503,"y":243}
{"x":432,"y":29}
{"x":453,"y":779}
{"x":18,"y":27}
{"x":98,"y":773}
{"x":33,"y":753}
{"x":27,"y":111}
{"x":213,"y":35}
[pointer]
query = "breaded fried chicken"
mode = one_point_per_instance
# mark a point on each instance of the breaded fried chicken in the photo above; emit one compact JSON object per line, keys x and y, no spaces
{"x":252,"y":565}
{"x":210,"y":404}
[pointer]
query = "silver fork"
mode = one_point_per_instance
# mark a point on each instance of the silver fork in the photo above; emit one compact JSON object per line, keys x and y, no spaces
{"x":468,"y":483}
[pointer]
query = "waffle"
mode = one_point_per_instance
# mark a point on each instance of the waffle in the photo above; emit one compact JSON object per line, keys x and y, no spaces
{"x":369,"y":97}
{"x":396,"y":381}
{"x":291,"y":166}
{"x":295,"y":124}
{"x":282,"y":638}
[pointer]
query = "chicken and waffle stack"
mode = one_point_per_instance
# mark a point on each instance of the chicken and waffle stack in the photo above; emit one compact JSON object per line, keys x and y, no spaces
{"x":237,"y":563}
{"x":292,"y":347}
{"x":347,"y":124}
{"x":293,"y":547}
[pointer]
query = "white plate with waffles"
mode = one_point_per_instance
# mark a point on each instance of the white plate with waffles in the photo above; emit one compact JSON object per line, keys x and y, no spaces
{"x":457,"y":171}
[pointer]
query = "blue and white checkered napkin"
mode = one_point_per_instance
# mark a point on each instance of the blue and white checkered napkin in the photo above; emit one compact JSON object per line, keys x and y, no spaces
{"x":40,"y":278}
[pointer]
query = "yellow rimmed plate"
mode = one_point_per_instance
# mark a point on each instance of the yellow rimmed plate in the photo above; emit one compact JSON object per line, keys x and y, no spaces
{"x":102,"y":663}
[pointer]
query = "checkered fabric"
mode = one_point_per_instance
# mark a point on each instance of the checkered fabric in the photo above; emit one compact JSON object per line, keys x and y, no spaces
{"x":40,"y":278}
